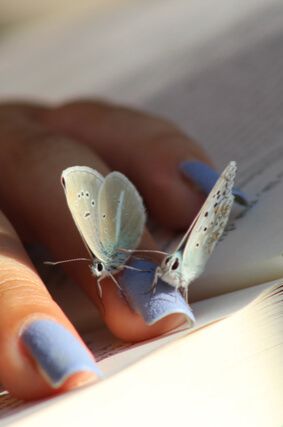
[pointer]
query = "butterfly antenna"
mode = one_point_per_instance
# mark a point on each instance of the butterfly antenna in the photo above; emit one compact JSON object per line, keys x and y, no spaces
{"x":129,"y":267}
{"x":138,"y":257}
{"x":66,"y":260}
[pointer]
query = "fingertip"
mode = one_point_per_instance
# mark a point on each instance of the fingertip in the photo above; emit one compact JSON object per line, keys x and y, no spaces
{"x":43,"y":357}
{"x":204,"y":176}
{"x":135,"y":312}
{"x":130,"y":325}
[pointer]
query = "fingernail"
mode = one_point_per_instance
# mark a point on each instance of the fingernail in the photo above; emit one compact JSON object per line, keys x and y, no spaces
{"x":58,"y":354}
{"x":152,"y":306}
{"x":204,"y":176}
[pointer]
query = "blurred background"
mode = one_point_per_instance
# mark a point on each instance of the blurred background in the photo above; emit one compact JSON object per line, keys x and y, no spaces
{"x":14,"y":13}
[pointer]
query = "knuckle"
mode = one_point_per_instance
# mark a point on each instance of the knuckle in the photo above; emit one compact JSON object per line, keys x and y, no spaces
{"x":160,"y":182}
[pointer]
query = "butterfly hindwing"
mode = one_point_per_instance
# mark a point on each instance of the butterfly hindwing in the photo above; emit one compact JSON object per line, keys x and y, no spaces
{"x":121,"y":214}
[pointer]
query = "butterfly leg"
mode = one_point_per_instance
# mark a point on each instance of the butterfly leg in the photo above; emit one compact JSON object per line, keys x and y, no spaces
{"x":129,"y":267}
{"x":99,"y":286}
{"x":116,"y":282}
{"x":184,"y":292}
{"x":176,"y":295}
{"x":153,"y":286}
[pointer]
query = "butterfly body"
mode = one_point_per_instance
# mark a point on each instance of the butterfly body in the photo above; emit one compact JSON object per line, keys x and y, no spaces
{"x":109,"y":215}
{"x":188,"y":261}
{"x":105,"y":268}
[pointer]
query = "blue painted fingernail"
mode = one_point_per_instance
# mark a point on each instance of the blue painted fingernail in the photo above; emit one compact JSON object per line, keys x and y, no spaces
{"x":152,"y":306}
{"x":205,"y":177}
{"x":58,"y":354}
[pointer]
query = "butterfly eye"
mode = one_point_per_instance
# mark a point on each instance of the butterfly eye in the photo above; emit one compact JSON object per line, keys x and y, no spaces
{"x":175,"y":264}
{"x":167,"y":260}
{"x":99,"y":267}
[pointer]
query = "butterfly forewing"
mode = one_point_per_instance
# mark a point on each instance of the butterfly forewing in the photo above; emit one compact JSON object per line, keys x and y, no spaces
{"x":210,"y":223}
{"x":81,"y":185}
{"x":121,"y":213}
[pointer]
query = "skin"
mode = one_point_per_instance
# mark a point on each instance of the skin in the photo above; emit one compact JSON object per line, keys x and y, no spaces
{"x":37,"y":143}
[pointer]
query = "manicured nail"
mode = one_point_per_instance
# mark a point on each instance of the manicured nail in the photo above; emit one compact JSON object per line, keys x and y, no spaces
{"x":152,"y":306}
{"x":58,"y":354}
{"x":205,"y":177}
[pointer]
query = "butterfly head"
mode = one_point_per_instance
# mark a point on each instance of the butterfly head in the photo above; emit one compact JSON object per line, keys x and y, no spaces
{"x":98,"y":268}
{"x":170,"y":269}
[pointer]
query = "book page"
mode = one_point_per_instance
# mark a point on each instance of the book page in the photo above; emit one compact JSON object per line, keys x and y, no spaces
{"x":222,"y":373}
{"x":114,"y":355}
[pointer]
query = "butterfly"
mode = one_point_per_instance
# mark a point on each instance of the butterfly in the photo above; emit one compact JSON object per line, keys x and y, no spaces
{"x":109,"y":214}
{"x":188,"y":260}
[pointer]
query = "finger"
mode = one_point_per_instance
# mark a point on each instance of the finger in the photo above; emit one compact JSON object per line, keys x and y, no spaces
{"x":149,"y":150}
{"x":29,"y":322}
{"x":35,"y":195}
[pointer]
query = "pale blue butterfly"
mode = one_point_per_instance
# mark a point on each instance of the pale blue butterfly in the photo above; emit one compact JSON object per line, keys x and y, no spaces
{"x":188,"y":260}
{"x":109,"y":214}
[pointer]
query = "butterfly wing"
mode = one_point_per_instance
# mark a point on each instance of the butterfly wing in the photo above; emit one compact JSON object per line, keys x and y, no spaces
{"x":208,"y":226}
{"x":121,"y":214}
{"x":81,"y":185}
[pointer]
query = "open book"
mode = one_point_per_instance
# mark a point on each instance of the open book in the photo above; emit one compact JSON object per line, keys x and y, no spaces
{"x":228,"y":368}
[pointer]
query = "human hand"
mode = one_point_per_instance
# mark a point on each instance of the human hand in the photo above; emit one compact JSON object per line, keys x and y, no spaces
{"x":37,"y":143}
